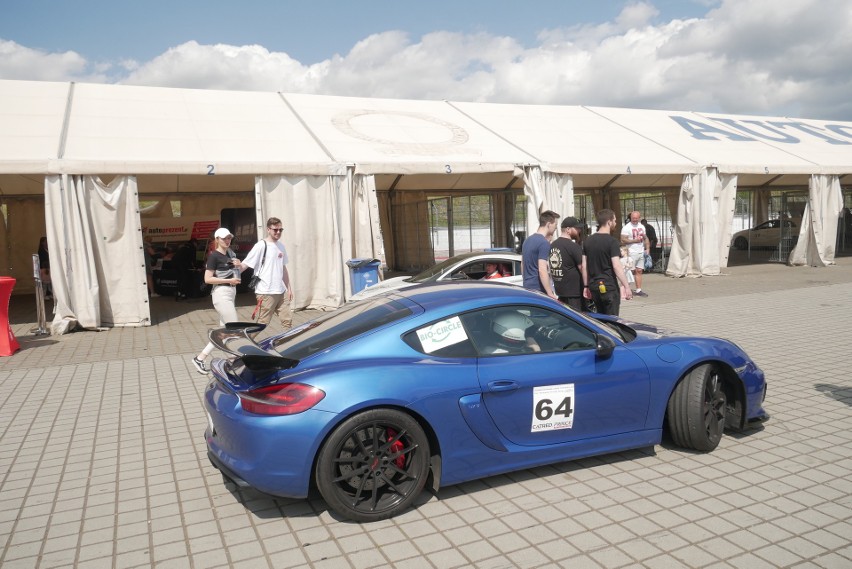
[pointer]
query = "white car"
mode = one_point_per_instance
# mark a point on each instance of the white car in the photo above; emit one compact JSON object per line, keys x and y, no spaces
{"x":467,"y":266}
{"x":767,"y":234}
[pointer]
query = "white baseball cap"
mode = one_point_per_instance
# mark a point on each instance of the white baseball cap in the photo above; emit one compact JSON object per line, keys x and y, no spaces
{"x":222,"y":232}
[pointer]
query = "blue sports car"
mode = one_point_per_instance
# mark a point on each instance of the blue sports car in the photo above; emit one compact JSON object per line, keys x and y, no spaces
{"x":444,"y":383}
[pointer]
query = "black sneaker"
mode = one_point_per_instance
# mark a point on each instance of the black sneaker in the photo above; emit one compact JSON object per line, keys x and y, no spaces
{"x":199,"y":366}
{"x":641,"y":293}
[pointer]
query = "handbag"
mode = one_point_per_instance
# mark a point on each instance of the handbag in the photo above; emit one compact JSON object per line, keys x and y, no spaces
{"x":255,"y":278}
{"x":649,"y":262}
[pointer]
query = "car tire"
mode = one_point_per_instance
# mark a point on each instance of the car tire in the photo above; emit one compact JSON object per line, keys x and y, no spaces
{"x":741,"y":243}
{"x":374,"y":465}
{"x":696,"y":409}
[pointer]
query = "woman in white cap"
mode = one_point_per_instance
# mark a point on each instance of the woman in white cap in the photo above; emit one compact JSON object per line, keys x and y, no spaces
{"x":223,"y":272}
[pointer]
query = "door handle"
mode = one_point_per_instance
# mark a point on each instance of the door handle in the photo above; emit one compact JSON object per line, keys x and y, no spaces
{"x":503,"y":385}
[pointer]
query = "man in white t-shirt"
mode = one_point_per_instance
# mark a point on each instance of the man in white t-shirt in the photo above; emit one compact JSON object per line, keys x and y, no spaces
{"x":633,"y":235}
{"x":269,"y":260}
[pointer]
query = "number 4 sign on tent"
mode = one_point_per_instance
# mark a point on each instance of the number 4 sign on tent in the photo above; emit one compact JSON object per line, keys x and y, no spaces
{"x":553,"y":407}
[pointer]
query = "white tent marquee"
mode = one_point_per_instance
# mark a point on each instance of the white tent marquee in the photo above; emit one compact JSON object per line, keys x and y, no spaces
{"x":77,"y":158}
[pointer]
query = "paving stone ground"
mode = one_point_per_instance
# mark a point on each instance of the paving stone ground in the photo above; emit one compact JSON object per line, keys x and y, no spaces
{"x":103,"y":461}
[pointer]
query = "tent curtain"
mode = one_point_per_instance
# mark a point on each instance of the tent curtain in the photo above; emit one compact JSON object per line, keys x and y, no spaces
{"x":703,"y":225}
{"x":615,"y":206}
{"x":412,"y":243}
{"x":818,"y":234}
{"x":362,"y":224}
{"x":314,"y":211}
{"x":97,"y":262}
{"x":366,"y":226}
{"x":760,"y":205}
{"x":503,"y":206}
{"x":672,"y":201}
{"x":546,"y":191}
{"x":385,"y":221}
{"x":724,"y":205}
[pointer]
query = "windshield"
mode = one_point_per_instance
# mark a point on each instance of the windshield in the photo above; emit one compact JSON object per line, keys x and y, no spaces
{"x":622,"y":331}
{"x":347,"y":322}
{"x":435,"y":271}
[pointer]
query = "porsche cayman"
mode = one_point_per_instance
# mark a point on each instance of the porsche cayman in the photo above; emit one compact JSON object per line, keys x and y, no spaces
{"x":439,"y":384}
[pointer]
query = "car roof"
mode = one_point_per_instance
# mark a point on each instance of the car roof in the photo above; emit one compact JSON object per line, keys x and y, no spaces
{"x":493,"y":254}
{"x":446,"y":294}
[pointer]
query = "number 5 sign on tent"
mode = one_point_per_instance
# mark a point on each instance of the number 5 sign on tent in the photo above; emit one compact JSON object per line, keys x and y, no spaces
{"x":553,"y":407}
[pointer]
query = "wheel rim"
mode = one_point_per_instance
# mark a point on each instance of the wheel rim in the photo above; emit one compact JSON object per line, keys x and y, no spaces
{"x":376,"y":467}
{"x":714,"y":406}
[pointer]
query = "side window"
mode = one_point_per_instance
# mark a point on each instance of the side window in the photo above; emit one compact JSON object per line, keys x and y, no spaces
{"x":475,"y":271}
{"x":516,"y":330}
{"x":444,"y":339}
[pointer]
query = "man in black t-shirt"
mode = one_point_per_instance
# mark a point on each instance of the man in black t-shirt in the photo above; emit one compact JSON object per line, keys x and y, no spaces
{"x":566,"y":262}
{"x":602,"y":267}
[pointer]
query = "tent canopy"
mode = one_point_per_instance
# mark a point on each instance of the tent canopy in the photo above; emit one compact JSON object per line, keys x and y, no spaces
{"x":330,"y":164}
{"x":71,"y":128}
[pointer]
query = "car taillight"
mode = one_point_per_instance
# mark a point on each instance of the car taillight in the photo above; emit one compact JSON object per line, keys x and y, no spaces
{"x":281,"y":399}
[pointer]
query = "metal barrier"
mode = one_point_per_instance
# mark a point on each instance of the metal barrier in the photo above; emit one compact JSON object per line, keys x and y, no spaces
{"x":41,"y":313}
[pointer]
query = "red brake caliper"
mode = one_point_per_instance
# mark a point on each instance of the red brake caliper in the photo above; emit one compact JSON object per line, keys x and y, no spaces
{"x":395,"y":447}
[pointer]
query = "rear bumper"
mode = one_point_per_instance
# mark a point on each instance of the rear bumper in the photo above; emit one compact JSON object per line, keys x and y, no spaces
{"x":227,"y":471}
{"x":272,"y":454}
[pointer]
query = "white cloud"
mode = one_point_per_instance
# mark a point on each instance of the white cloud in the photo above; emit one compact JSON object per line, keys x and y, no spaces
{"x":744,"y":56}
{"x":20,"y":62}
{"x":247,"y":68}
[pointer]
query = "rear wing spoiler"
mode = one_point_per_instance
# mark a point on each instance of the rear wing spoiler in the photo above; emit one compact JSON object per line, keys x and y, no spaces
{"x":237,"y":339}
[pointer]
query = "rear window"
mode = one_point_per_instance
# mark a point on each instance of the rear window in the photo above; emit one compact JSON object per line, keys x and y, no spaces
{"x":345,"y":323}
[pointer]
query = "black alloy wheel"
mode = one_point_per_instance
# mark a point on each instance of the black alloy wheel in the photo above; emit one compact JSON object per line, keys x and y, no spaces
{"x":696,"y":409}
{"x":374,"y":465}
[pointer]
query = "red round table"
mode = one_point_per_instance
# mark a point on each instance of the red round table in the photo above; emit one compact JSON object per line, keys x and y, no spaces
{"x":8,"y":344}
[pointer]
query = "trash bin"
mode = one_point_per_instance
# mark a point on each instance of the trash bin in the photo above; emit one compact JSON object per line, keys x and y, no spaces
{"x":8,"y":343}
{"x":363,"y":273}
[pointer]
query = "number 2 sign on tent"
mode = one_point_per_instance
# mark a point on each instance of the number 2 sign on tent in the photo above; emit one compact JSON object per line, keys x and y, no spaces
{"x":553,"y":407}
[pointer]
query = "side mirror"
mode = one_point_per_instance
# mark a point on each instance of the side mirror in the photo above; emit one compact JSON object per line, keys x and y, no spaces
{"x":605,"y":346}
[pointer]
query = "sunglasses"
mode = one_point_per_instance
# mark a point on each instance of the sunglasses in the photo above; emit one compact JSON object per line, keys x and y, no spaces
{"x":279,"y":230}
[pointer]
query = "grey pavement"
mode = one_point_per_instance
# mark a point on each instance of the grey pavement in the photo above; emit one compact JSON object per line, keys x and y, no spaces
{"x":103,"y":460}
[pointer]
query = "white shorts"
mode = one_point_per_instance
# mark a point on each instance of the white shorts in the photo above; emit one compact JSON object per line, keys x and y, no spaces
{"x":638,"y":259}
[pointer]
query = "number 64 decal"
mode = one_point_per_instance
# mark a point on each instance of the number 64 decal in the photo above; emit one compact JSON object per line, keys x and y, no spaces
{"x":553,"y":407}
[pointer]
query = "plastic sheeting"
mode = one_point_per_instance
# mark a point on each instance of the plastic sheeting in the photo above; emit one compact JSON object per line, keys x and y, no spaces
{"x":703,"y":224}
{"x":546,"y":191}
{"x":818,"y":234}
{"x":97,"y":261}
{"x":327,"y":220}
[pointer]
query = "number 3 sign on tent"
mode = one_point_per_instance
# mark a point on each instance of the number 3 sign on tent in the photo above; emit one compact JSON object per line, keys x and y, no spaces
{"x":553,"y":407}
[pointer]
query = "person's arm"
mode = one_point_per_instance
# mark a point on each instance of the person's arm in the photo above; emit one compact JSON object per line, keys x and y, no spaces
{"x":622,"y":278}
{"x":251,"y":259}
{"x":532,"y":344}
{"x":287,"y":283}
{"x":544,"y":276}
{"x":587,"y":294}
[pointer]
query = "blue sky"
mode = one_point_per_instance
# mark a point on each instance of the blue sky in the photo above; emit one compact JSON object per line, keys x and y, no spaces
{"x":309,"y":31}
{"x":761,"y":57}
